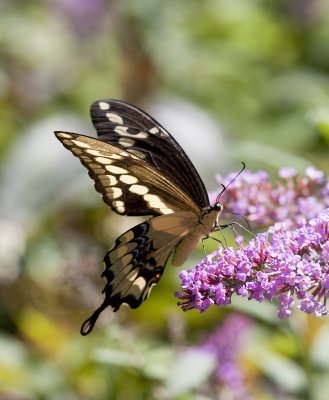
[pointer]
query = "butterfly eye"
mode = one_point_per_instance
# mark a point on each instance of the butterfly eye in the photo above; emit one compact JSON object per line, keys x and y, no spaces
{"x":218,"y":207}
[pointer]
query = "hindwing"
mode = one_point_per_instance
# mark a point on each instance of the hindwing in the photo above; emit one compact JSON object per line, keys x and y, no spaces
{"x":127,"y":183}
{"x":137,"y":260}
{"x":126,"y":126}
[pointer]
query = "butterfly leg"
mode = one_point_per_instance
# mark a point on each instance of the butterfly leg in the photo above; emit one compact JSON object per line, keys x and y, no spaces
{"x":203,"y":246}
{"x":232,"y":224}
{"x":213,"y":238}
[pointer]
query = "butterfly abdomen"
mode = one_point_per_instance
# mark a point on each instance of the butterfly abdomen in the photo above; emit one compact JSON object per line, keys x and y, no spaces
{"x":185,"y":248}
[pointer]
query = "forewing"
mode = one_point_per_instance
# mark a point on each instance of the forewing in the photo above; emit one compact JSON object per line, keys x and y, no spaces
{"x":126,"y":126}
{"x":128,"y":184}
{"x":136,"y":261}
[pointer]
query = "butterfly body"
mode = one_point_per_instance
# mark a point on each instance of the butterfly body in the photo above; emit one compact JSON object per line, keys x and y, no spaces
{"x":140,"y":169}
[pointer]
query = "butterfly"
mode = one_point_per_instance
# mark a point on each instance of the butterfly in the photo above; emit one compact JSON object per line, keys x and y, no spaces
{"x":140,"y":169}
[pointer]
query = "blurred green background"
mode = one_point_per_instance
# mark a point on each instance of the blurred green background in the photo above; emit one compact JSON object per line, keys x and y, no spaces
{"x":232,"y":80}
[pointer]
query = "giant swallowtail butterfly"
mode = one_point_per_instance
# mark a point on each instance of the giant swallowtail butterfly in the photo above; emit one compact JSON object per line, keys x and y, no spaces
{"x":140,"y":169}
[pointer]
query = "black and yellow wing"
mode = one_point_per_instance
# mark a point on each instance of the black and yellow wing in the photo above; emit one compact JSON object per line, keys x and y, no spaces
{"x":127,"y":127}
{"x":139,"y":169}
{"x":128,"y":184}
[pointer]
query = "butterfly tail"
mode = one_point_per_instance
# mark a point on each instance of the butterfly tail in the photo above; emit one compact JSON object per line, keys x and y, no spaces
{"x":89,"y":323}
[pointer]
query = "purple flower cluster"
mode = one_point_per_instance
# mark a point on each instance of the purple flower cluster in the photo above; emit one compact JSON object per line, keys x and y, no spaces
{"x":291,"y":267}
{"x":225,"y":344}
{"x":292,"y":198}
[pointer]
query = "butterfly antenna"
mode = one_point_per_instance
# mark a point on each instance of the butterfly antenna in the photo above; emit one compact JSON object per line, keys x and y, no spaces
{"x":225,"y":187}
{"x":221,"y":192}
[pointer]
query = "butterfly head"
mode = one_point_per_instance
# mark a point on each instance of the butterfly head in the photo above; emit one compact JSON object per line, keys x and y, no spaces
{"x":217,"y":208}
{"x":210,"y":218}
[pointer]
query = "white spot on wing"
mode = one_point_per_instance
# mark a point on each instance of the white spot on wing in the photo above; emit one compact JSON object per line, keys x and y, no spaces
{"x":115,"y":118}
{"x":108,"y":180}
{"x":132,"y":276}
{"x":64,"y":135}
{"x":155,"y":201}
{"x":81,"y":144}
{"x":138,"y":189}
{"x":126,"y":142}
{"x":154,"y":130}
{"x":138,"y":286}
{"x":137,"y":153}
{"x":94,"y":152}
{"x":115,"y":156}
{"x":116,"y":170}
{"x":119,"y":203}
{"x":141,"y":135}
{"x":120,"y":206}
{"x":128,"y":179}
{"x":104,"y":160}
{"x":113,"y":192}
{"x":121,"y":130}
{"x":103,"y":105}
{"x":166,"y":210}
